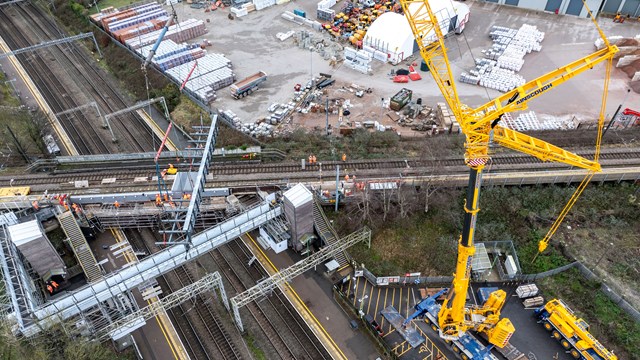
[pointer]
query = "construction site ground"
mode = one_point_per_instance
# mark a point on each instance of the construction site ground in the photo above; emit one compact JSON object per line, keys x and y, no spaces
{"x":530,"y":337}
{"x":250,"y":43}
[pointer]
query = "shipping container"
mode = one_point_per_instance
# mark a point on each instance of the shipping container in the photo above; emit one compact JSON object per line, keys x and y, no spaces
{"x":400,"y":99}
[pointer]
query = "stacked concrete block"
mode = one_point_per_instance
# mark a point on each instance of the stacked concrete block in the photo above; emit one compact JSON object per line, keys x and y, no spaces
{"x":170,"y":54}
{"x":529,"y":122}
{"x":184,"y":31}
{"x":358,"y":60}
{"x":324,"y":11}
{"x":501,"y":79}
{"x":288,"y":15}
{"x":325,"y":14}
{"x":446,"y":119}
{"x":239,"y":11}
{"x":212,"y":73}
{"x":326,"y":4}
{"x":263,"y":4}
{"x":497,"y":70}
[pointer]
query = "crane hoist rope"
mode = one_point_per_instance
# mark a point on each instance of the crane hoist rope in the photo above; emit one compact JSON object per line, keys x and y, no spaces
{"x":481,"y":127}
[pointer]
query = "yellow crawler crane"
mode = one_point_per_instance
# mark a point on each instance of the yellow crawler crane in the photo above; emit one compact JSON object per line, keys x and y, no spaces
{"x":481,"y":127}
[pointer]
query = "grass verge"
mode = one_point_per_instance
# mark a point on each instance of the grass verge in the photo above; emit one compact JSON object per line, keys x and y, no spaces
{"x":608,"y":323}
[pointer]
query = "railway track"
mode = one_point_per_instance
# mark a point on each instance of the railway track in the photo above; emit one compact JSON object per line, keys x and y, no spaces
{"x":285,"y":329}
{"x":84,"y":83}
{"x":54,"y":91}
{"x":195,"y":321}
{"x":186,"y":330}
{"x":227,"y":175}
{"x":210,"y":319}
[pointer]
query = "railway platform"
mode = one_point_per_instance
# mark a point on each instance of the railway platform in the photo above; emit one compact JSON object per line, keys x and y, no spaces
{"x":311,"y":295}
{"x":160,"y":133}
{"x":157,"y":339}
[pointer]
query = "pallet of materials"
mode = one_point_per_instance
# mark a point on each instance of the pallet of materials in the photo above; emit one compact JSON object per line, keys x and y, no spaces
{"x":108,"y":20}
{"x":184,"y":31}
{"x":140,"y":29}
{"x":135,"y":20}
{"x":525,"y":291}
{"x":533,"y":302}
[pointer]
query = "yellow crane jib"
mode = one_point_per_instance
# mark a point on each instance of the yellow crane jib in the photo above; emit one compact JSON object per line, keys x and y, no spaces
{"x":480,"y":127}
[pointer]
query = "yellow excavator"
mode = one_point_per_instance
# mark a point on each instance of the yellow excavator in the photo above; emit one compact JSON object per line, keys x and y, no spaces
{"x":481,"y":127}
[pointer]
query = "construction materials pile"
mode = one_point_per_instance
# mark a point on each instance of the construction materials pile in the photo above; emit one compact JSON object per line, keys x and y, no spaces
{"x":181,"y":32}
{"x":329,"y":50}
{"x":529,"y":122}
{"x":446,"y":120}
{"x":358,"y":60}
{"x":139,"y":26}
{"x":204,"y":76}
{"x":628,"y":57}
{"x":244,"y":7}
{"x":354,"y":19}
{"x":497,"y":70}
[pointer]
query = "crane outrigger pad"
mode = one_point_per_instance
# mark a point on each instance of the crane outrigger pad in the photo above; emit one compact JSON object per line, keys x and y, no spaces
{"x":395,"y":319}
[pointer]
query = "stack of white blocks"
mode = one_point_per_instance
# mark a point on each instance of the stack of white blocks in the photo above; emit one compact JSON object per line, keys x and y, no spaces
{"x":505,"y":58}
{"x":529,"y":121}
{"x":263,"y":4}
{"x":358,"y":60}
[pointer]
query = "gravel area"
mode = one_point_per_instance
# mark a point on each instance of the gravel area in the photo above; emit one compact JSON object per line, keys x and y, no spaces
{"x":250,"y":43}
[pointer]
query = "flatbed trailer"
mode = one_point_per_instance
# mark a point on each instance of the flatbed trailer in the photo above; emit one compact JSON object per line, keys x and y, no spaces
{"x":248,"y":85}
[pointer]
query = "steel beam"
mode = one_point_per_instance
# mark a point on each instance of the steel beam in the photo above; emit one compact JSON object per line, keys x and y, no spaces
{"x":119,"y":328}
{"x":132,"y":108}
{"x":267,"y":285}
{"x":50,"y":43}
{"x":151,"y":267}
{"x":186,"y":226}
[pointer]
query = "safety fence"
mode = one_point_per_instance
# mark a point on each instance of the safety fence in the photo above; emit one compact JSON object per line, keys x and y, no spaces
{"x":611,"y":291}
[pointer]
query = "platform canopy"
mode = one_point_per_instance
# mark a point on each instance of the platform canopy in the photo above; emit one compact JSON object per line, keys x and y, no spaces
{"x":31,"y":241}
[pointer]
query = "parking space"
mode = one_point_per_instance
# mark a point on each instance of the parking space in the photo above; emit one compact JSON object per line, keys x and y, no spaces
{"x":372,"y":299}
{"x":530,"y":337}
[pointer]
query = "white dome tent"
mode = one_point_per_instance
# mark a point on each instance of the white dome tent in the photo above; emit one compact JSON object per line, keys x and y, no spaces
{"x":390,"y":38}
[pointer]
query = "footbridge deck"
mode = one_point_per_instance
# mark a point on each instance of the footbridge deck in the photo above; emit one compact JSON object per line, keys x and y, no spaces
{"x":151,"y":267}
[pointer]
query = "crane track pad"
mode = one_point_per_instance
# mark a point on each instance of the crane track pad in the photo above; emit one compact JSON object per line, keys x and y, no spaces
{"x":395,"y":319}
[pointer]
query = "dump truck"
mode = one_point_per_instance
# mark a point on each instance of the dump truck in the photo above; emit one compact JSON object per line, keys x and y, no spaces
{"x":247,"y":86}
{"x":571,"y":331}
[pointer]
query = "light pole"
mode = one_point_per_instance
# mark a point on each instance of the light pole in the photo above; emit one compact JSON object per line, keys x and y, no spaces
{"x":311,"y":64}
